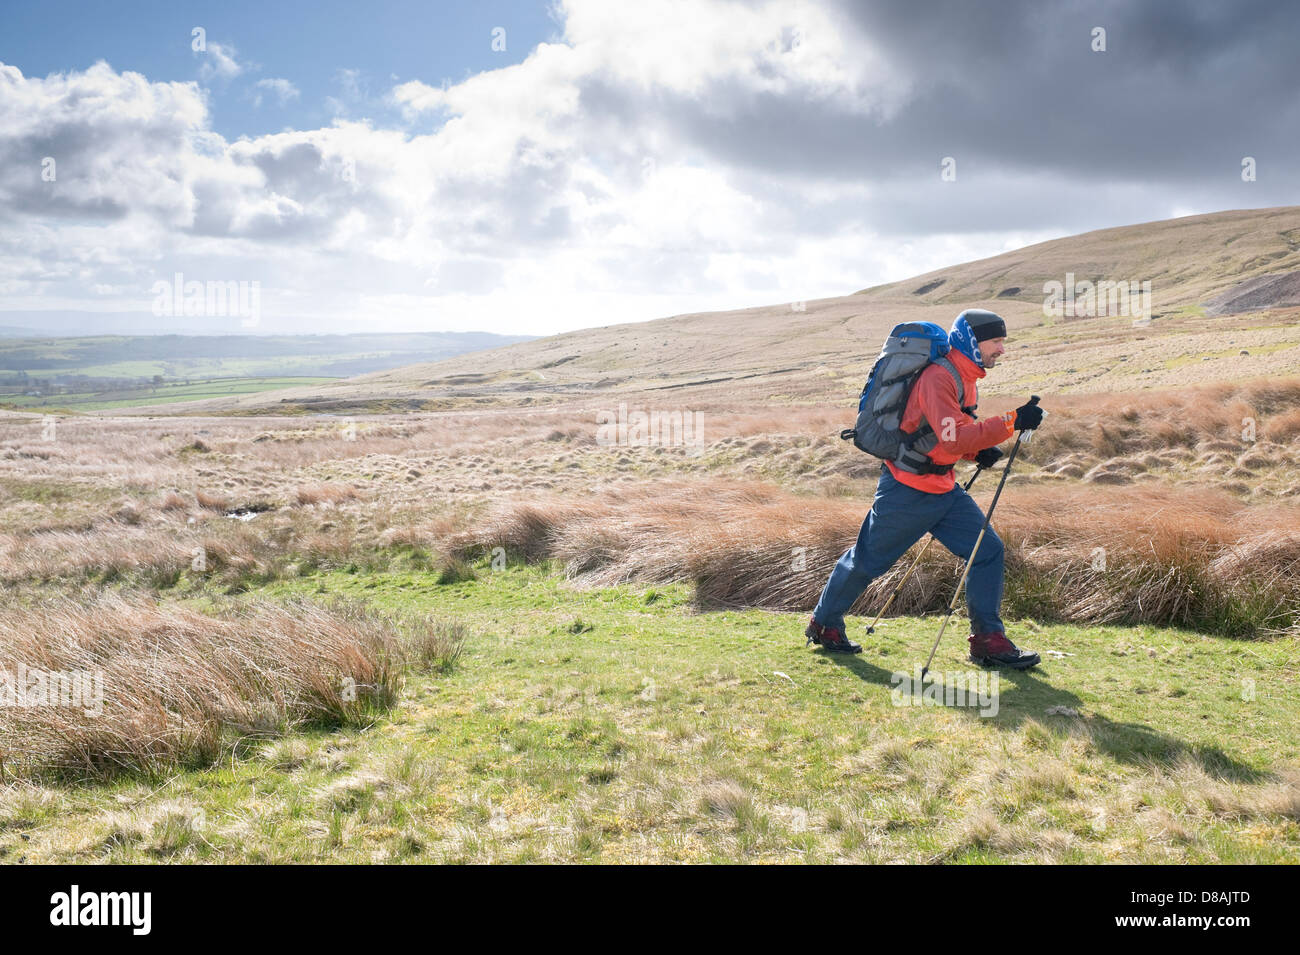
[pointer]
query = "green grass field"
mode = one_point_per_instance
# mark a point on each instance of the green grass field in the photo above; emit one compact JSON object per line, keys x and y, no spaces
{"x":624,"y":724}
{"x":194,"y":369}
{"x":168,"y":393}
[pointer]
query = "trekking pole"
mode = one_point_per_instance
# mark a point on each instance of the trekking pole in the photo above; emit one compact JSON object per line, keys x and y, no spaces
{"x":1021,"y":437}
{"x":916,"y":563}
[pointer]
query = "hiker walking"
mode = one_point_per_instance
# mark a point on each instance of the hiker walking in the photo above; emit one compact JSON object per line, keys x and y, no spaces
{"x":917,"y":494}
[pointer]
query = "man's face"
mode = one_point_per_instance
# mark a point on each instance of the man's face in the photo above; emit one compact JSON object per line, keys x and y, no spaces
{"x":991,"y":349}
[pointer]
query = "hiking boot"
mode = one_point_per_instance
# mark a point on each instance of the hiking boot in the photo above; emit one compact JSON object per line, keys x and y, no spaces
{"x":830,"y":638}
{"x":995,"y":650}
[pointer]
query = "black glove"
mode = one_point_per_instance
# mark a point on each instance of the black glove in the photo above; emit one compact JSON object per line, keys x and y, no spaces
{"x":1028,"y":417}
{"x":988,"y":457}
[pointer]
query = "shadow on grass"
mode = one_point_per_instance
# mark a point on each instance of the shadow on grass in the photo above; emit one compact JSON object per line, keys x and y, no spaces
{"x":1133,"y":743}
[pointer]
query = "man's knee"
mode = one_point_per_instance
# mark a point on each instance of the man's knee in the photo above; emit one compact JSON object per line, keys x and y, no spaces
{"x":991,"y":548}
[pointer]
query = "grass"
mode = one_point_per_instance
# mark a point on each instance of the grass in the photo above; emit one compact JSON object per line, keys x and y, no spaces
{"x":147,"y":688}
{"x":1199,"y":560}
{"x":608,"y":718}
{"x":621,"y":724}
{"x":1183,"y":360}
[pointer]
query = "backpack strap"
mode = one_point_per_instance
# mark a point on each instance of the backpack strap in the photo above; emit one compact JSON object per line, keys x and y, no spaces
{"x":956,"y":377}
{"x":914,"y":455}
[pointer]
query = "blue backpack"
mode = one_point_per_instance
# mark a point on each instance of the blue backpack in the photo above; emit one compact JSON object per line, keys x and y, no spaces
{"x":909,"y":350}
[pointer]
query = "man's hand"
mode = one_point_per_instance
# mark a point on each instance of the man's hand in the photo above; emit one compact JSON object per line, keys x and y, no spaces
{"x":988,"y":457}
{"x":1028,"y":417}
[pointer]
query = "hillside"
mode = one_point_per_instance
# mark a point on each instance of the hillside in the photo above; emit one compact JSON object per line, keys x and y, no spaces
{"x":821,"y":350}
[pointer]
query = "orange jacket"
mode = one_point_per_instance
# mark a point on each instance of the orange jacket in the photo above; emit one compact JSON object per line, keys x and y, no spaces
{"x":934,"y":399}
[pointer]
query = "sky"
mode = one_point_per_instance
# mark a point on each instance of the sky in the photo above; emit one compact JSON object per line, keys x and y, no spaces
{"x":530,"y":168}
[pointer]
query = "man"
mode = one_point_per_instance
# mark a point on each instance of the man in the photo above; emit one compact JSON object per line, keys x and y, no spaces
{"x":909,"y":505}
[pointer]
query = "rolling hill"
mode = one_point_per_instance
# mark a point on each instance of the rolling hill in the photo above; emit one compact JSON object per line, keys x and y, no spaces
{"x":1221,"y":298}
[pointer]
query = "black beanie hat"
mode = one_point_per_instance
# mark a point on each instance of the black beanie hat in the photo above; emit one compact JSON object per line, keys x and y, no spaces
{"x":985,"y":325}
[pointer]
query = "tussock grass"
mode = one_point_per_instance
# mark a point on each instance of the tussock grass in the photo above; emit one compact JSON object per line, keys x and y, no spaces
{"x":1283,"y":427}
{"x":1143,"y":554}
{"x":726,"y":798}
{"x":1111,"y":425}
{"x":212,"y":502}
{"x":179,"y":686}
{"x":1202,"y":796}
{"x":434,"y":645}
{"x":325,"y":493}
{"x":85,"y":507}
{"x":453,"y":570}
{"x":136,"y":546}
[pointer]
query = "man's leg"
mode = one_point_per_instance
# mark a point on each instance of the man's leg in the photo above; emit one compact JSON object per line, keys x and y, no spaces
{"x":899,"y":517}
{"x":958,"y":532}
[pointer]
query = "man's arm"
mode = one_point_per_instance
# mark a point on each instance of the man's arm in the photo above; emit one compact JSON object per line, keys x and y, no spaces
{"x":936,"y":396}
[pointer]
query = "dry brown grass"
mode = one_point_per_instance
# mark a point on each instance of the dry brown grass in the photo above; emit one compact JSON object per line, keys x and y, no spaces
{"x":155,"y":548}
{"x":1202,"y":560}
{"x":178,"y":686}
{"x":1283,"y":427}
{"x":1111,"y":425}
{"x":725,"y":798}
{"x":723,"y":518}
{"x":1201,"y":795}
{"x":212,"y":502}
{"x":325,"y":493}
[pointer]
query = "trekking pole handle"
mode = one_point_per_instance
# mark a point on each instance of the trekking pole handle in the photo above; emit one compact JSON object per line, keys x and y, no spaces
{"x":1026,"y":435}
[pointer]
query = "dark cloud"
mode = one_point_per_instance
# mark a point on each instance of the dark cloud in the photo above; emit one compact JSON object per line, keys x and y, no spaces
{"x":1019,"y":81}
{"x":1036,"y":120}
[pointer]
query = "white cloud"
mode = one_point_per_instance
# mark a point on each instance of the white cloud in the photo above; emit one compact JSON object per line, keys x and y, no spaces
{"x":352,"y":96}
{"x":608,"y":177}
{"x":283,"y":90}
{"x":219,"y":61}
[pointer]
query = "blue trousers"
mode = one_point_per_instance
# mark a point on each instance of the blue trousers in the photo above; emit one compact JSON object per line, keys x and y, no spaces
{"x":899,"y":517}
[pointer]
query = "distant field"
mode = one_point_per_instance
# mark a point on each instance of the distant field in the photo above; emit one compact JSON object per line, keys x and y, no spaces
{"x":163,"y":394}
{"x":196,"y":369}
{"x":197,"y":357}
